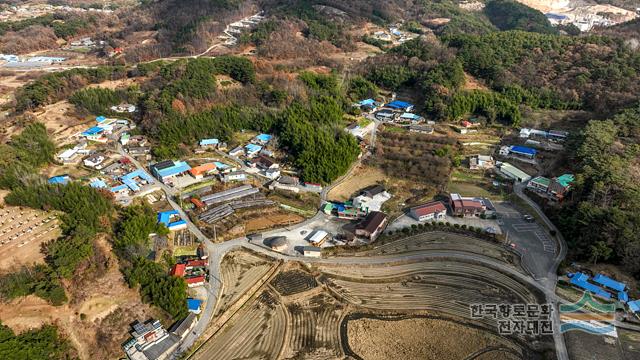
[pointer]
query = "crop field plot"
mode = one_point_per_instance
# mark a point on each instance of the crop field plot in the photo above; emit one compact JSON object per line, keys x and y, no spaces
{"x":405,"y":338}
{"x":240,"y":270}
{"x":255,"y":332}
{"x":582,"y":345}
{"x":22,"y":231}
{"x":315,"y":328}
{"x":443,"y":286}
{"x":293,"y":282}
{"x":423,"y":158}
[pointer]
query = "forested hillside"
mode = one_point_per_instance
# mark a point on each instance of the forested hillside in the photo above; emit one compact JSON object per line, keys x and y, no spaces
{"x":603,"y":221}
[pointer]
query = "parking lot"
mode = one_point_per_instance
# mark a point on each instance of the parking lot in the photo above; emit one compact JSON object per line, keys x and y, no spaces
{"x":22,"y":231}
{"x":530,"y":239}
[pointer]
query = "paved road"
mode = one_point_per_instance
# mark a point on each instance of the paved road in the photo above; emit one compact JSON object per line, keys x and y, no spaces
{"x":552,"y":277}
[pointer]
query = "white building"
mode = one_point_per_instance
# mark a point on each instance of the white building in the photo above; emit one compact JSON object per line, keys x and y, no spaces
{"x":312,"y":251}
{"x":68,"y":156}
{"x":94,"y":161}
{"x":481,"y":162}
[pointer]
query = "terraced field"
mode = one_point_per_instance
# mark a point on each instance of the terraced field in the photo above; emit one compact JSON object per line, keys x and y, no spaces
{"x":443,"y":286}
{"x":293,"y":282}
{"x":315,"y":328}
{"x":440,"y":241}
{"x":255,"y":332}
{"x":240,"y":270}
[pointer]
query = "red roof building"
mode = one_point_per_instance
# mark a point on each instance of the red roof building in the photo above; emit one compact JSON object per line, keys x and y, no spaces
{"x":195,"y":281}
{"x":178,"y":270}
{"x":196,"y":263}
{"x":466,"y":124}
{"x":434,"y":210}
{"x":466,"y":206}
{"x":199,"y":204}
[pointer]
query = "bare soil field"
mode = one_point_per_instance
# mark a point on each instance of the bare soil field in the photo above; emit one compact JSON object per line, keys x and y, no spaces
{"x":423,"y":339}
{"x":97,"y":318}
{"x":582,"y":345}
{"x":115,"y":84}
{"x":315,"y":328}
{"x":240,"y":270}
{"x":271,"y":221}
{"x":60,"y":121}
{"x":22,"y":232}
{"x":255,"y":332}
{"x":360,"y":178}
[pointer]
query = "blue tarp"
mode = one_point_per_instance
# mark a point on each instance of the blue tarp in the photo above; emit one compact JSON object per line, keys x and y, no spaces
{"x":62,"y":179}
{"x":205,"y":142}
{"x":523,"y":150}
{"x":194,"y":304}
{"x":581,"y":280}
{"x":165,"y":216}
{"x":264,"y":138}
{"x":93,"y":131}
{"x":397,"y":104}
{"x":608,"y":282}
{"x":100,"y":119}
{"x":634,"y":306}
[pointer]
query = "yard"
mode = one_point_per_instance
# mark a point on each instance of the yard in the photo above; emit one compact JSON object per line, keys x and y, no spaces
{"x":472,"y":183}
{"x":360,"y":178}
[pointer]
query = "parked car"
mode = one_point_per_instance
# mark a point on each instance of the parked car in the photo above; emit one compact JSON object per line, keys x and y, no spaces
{"x":529,"y":218}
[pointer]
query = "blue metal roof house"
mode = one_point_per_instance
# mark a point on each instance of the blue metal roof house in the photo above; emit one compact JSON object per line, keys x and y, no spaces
{"x":167,"y":169}
{"x":59,"y":180}
{"x":581,"y":280}
{"x":400,"y":105}
{"x":263,"y":138}
{"x":609,"y":282}
{"x":523,"y":151}
{"x":252,"y":149}
{"x":209,"y":142}
{"x":129,"y":179}
{"x":100,"y":119}
{"x":194,"y":305}
{"x":367,"y":102}
{"x":93,"y":131}
{"x":623,"y":296}
{"x":634,"y":306}
{"x":98,"y":184}
{"x":164,"y":217}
